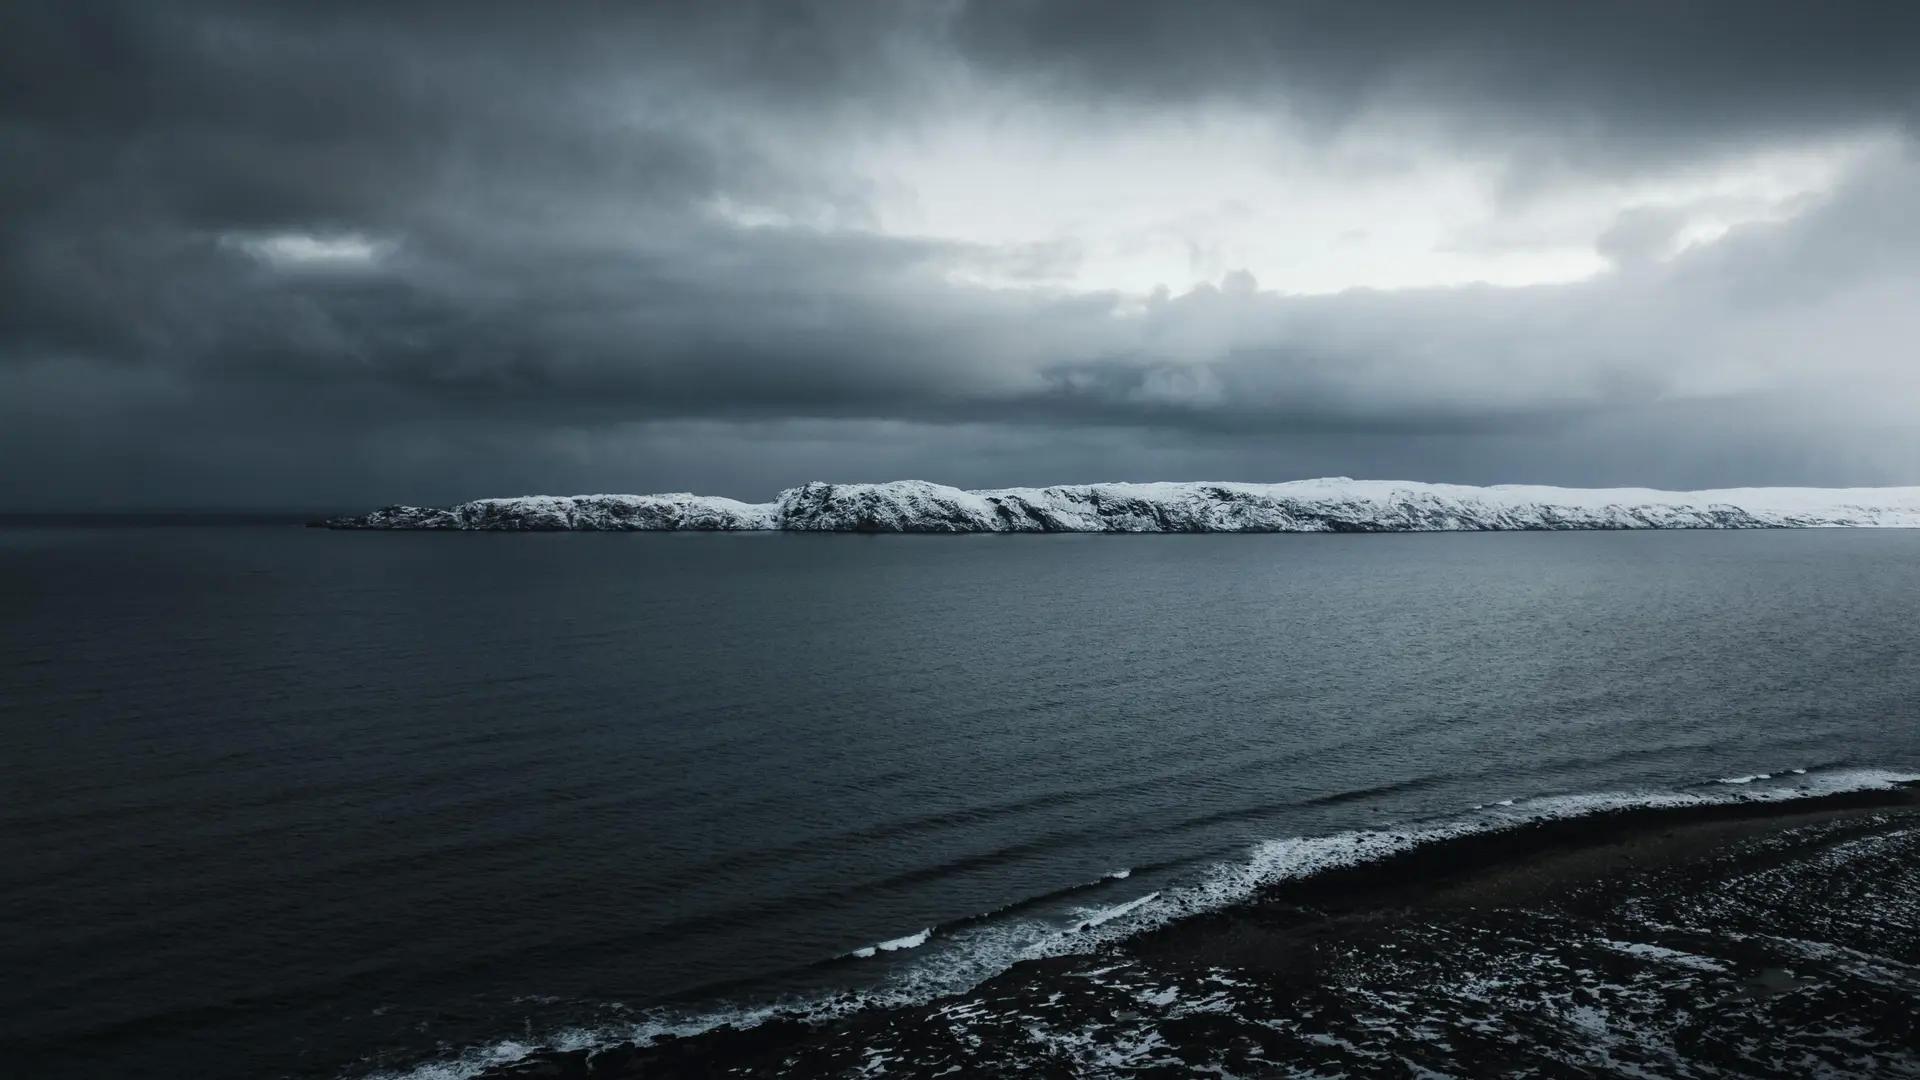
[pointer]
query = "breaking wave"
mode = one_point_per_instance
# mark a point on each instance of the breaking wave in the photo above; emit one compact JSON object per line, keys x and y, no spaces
{"x":911,"y":941}
{"x":1103,"y":916}
{"x":971,"y":950}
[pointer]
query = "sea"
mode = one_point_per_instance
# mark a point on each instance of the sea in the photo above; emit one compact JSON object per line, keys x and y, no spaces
{"x":278,"y":801}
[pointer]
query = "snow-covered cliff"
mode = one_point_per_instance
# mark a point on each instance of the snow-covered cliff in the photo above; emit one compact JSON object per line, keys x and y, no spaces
{"x":593,"y":513}
{"x":1332,"y":505}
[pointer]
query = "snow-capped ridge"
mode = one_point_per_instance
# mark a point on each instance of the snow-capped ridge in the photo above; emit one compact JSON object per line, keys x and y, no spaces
{"x":1336,"y":504}
{"x":587,"y":513}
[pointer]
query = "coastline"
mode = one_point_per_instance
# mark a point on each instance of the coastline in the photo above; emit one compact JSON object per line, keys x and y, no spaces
{"x":1334,"y":504}
{"x":1267,"y":984}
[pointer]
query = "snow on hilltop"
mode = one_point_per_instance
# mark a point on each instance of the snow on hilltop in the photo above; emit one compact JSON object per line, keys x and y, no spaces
{"x":603,"y":513}
{"x":1331,"y":505}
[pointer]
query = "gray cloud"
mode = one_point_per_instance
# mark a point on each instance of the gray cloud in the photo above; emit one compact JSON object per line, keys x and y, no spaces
{"x":1597,"y":81}
{"x":528,"y":289}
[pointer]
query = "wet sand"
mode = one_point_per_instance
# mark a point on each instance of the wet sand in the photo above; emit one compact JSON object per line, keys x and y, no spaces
{"x":1746,"y":939}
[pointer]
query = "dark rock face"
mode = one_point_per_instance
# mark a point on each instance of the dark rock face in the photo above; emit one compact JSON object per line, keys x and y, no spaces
{"x":399,"y":517}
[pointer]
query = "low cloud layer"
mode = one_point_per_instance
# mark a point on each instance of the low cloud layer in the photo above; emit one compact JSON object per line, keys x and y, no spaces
{"x":335,"y":256}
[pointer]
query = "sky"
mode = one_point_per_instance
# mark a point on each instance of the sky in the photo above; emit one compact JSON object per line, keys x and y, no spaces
{"x":348,"y":254}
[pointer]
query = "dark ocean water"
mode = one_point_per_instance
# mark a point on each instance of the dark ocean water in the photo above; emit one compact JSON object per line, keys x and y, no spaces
{"x":276,"y":801}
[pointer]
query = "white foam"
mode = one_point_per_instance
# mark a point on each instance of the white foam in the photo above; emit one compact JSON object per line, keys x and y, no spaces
{"x":1747,"y":779}
{"x":978,"y":953}
{"x":911,"y":941}
{"x":1103,"y":916}
{"x":1665,"y":955}
{"x":1120,"y":875}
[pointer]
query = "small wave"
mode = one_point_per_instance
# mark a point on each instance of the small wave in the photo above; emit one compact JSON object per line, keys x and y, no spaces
{"x":1751,"y":777}
{"x":1103,"y":916}
{"x":1049,"y":898}
{"x":996,"y":946}
{"x":911,"y":941}
{"x":1398,"y":787}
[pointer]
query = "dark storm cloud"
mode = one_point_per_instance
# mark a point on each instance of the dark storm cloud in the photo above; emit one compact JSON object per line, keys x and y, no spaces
{"x":528,"y":284}
{"x":1626,"y":77}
